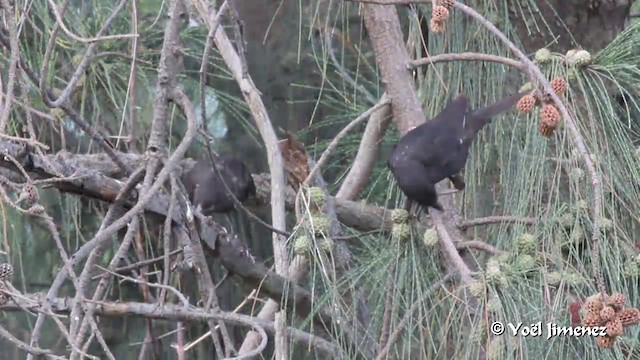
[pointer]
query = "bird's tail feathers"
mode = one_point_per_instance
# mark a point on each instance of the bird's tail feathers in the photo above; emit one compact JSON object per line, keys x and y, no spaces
{"x":480,"y":117}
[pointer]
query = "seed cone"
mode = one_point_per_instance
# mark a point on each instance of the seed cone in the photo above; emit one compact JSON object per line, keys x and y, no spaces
{"x":526,"y":103}
{"x":440,"y":14}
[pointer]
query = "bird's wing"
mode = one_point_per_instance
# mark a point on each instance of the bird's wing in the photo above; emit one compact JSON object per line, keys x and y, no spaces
{"x":432,"y":142}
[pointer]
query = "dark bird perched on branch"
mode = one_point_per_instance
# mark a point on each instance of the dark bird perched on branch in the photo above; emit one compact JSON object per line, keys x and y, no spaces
{"x":439,"y":148}
{"x":205,"y":187}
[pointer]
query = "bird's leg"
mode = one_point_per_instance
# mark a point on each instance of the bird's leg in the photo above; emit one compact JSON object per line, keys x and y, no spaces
{"x":408,"y":205}
{"x":431,"y":197}
{"x":458,"y":181}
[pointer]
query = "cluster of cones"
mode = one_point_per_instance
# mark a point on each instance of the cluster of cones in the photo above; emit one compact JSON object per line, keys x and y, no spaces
{"x":549,"y":114}
{"x":439,"y":15}
{"x":610,"y":313}
{"x":6,"y":273}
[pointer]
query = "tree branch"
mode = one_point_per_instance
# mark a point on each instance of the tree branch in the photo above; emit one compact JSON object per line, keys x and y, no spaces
{"x":172,"y":312}
{"x":497,"y":220}
{"x":466,"y":56}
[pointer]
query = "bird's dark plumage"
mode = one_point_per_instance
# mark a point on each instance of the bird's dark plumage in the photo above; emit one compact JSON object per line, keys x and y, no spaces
{"x":439,"y":148}
{"x":206,"y":190}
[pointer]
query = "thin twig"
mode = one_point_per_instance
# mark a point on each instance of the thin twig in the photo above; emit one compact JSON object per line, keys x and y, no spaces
{"x":32,"y":350}
{"x":366,"y":157}
{"x":384,"y":101}
{"x":388,"y":308}
{"x":178,"y":294}
{"x":489,"y":220}
{"x":466,"y":56}
{"x":14,"y":58}
{"x":480,"y":245}
{"x":59,"y":19}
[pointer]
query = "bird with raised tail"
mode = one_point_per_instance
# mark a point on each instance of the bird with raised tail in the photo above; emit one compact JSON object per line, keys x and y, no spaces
{"x":439,"y":148}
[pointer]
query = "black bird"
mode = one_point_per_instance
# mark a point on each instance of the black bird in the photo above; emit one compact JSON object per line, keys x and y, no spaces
{"x":206,"y":190}
{"x":439,"y":148}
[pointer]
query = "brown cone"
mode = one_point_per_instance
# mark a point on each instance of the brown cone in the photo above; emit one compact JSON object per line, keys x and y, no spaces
{"x":592,"y":320}
{"x":446,"y":3}
{"x":549,"y":115}
{"x":440,"y":13}
{"x":559,"y":86}
{"x":593,"y":305}
{"x":436,"y":26}
{"x":616,"y":300}
{"x":629,"y":316}
{"x":614,"y":328}
{"x":605,"y":342}
{"x":607,"y":313}
{"x":526,"y":103}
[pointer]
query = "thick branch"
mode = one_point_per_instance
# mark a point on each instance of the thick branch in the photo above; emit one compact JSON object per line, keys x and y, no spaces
{"x":91,"y":176}
{"x":173,"y":312}
{"x":367,"y":155}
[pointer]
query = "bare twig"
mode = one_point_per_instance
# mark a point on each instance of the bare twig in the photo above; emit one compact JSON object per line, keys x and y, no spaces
{"x":166,"y":236}
{"x":480,"y":245}
{"x":178,"y":313}
{"x":79,"y":286}
{"x":367,"y":155}
{"x":252,"y":96}
{"x":178,"y":294}
{"x":345,"y":75}
{"x":497,"y":220}
{"x":180,"y":337}
{"x":9,"y":18}
{"x":59,"y":19}
{"x":467,"y":56}
{"x":62,"y":274}
{"x":132,"y":87}
{"x":449,"y":248}
{"x":48,"y":95}
{"x":84,"y":62}
{"x":143,"y":263}
{"x":237,"y":65}
{"x":32,"y":350}
{"x":384,"y":101}
{"x":388,"y":308}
